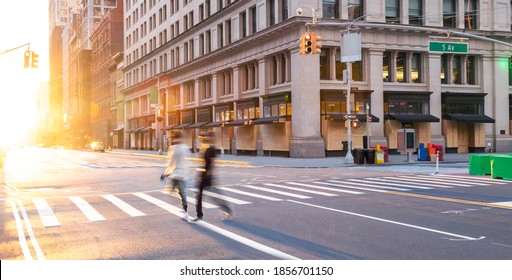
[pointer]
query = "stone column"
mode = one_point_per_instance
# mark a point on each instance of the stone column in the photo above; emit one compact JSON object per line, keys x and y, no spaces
{"x":433,"y":62}
{"x":306,"y":140}
{"x":376,"y":84}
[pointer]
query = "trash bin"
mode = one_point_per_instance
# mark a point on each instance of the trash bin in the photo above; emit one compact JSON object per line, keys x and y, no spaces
{"x":379,"y":156}
{"x":359,"y":156}
{"x":370,"y":156}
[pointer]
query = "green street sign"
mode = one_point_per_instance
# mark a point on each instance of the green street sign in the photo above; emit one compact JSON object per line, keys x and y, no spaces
{"x":448,"y":47}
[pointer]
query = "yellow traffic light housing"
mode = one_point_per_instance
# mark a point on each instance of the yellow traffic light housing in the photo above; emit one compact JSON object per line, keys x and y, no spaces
{"x":26,"y":59}
{"x":35,"y":60}
{"x":317,"y":44}
{"x":310,"y":43}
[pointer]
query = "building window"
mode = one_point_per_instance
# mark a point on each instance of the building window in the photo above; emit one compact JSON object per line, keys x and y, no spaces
{"x":456,"y":69}
{"x":415,"y":12}
{"x":401,"y":67}
{"x":470,"y":14}
{"x":392,"y":11}
{"x":228,"y":31}
{"x":277,"y":106}
{"x":386,"y":67}
{"x":250,"y":76}
{"x":220,"y":36}
{"x":271,"y":9}
{"x":449,"y":14}
{"x":471,"y":70}
{"x":243,"y":24}
{"x":330,"y":9}
{"x":325,"y":65}
{"x":253,"y":20}
{"x":416,"y":68}
{"x":284,"y":9}
{"x":355,"y":9}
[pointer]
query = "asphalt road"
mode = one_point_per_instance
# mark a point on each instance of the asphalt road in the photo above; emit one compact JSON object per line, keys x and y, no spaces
{"x":79,"y":205}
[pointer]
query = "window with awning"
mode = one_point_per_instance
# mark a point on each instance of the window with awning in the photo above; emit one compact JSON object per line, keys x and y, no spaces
{"x":408,"y":107}
{"x":464,"y":107}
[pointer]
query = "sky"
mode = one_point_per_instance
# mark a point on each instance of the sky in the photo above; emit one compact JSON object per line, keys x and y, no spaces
{"x":21,"y":22}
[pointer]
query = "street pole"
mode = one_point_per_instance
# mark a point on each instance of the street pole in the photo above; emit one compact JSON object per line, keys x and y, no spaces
{"x":349,"y":159}
{"x":368,"y":122}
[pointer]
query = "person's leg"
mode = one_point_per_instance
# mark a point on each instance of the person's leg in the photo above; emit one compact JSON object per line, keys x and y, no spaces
{"x":182,"y":193}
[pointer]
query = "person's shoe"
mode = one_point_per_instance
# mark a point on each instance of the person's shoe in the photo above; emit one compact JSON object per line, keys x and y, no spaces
{"x":195,"y":219}
{"x":184,"y":215}
{"x":228,"y":215}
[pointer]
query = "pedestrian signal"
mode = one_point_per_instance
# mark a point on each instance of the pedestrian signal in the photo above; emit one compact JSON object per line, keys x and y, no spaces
{"x":26,"y":59}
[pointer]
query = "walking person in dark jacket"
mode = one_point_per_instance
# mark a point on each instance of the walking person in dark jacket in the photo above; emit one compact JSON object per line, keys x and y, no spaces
{"x":206,"y":179}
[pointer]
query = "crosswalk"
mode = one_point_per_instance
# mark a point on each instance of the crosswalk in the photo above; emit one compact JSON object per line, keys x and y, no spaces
{"x":136,"y":204}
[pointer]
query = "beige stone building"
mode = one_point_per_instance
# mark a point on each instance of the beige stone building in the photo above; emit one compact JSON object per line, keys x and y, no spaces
{"x":234,"y":67}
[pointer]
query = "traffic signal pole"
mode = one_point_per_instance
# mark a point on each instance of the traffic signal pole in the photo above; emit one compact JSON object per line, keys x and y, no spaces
{"x":349,"y":159}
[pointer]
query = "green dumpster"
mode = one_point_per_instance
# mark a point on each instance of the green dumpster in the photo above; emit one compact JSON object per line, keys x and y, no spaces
{"x":480,"y":164}
{"x":500,"y":167}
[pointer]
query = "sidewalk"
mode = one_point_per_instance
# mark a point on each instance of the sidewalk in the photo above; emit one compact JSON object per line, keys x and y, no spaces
{"x":328,"y":162}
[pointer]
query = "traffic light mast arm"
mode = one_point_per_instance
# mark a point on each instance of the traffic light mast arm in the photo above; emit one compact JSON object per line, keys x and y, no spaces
{"x":13,"y":49}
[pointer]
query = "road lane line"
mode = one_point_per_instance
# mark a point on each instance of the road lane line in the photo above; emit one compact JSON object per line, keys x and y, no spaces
{"x":350,"y":187}
{"x":87,"y":209}
{"x":368,"y":184}
{"x":385,"y":182}
{"x":21,"y":233}
{"x":505,"y":203}
{"x":250,"y":194}
{"x":33,"y":240}
{"x":191,"y":200}
{"x":274,"y":191}
{"x":226,"y":198}
{"x":127,"y":208}
{"x":48,"y":218}
{"x":301,"y":190}
{"x":248,"y":242}
{"x":253,"y":244}
{"x":389,"y":221}
{"x":323,"y":188}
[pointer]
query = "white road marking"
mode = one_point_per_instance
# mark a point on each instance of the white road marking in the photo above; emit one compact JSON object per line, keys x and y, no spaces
{"x":87,"y":209}
{"x":190,"y":199}
{"x":250,"y":194}
{"x":48,"y":218}
{"x":226,"y":198}
{"x":416,"y":182}
{"x":389,"y":221}
{"x":506,"y":203}
{"x":324,"y":188}
{"x":301,"y":190}
{"x":127,"y":208}
{"x":33,"y":240}
{"x":457,"y":180}
{"x":368,"y":184}
{"x":385,"y":182}
{"x":248,"y":242}
{"x":274,"y":191}
{"x":477,"y":178}
{"x":350,"y":187}
{"x":21,"y":233}
{"x":437,"y":181}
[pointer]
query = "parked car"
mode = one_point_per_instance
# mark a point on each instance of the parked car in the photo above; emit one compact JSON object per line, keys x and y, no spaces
{"x":97,"y":147}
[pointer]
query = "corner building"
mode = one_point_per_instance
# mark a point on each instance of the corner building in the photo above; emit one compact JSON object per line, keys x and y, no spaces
{"x":234,"y":67}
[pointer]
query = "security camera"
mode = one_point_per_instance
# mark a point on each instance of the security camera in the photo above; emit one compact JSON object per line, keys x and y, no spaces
{"x":299,"y":11}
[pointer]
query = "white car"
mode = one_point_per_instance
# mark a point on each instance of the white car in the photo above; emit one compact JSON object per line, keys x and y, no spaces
{"x":97,"y":147}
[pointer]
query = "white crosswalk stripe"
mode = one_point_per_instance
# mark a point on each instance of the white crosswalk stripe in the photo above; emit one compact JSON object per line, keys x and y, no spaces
{"x":46,"y":213}
{"x":457,"y":180}
{"x":382,"y":181}
{"x":226,"y":198}
{"x":324,"y":188}
{"x":301,"y":190}
{"x":87,"y":209}
{"x":416,"y":182}
{"x":371,"y":185}
{"x":477,"y":178}
{"x":191,"y":200}
{"x":127,"y":208}
{"x":264,"y":197}
{"x":436,"y":181}
{"x":275,"y":191}
{"x":343,"y":185}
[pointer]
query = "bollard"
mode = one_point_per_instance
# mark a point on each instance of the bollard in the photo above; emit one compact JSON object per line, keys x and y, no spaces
{"x":437,"y":163}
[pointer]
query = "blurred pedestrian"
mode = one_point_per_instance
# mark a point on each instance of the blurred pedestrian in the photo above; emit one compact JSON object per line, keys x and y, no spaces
{"x":206,"y":178}
{"x":177,"y":171}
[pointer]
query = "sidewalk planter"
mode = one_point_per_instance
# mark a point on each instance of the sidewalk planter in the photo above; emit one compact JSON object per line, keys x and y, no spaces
{"x":480,"y":164}
{"x":501,"y":167}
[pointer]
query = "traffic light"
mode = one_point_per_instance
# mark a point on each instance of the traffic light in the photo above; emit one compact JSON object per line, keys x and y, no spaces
{"x":35,"y":60}
{"x":306,"y":43}
{"x":26,"y":59}
{"x":317,"y":44}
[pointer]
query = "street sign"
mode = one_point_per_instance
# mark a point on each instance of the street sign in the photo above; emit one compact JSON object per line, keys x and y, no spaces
{"x":350,"y":117}
{"x":448,"y":47}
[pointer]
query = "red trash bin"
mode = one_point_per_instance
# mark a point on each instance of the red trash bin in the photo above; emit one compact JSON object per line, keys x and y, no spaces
{"x":439,"y":149}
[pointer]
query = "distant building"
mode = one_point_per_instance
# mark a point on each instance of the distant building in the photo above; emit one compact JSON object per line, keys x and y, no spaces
{"x":234,"y":67}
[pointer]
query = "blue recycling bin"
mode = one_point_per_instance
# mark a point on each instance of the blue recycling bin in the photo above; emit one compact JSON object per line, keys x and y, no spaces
{"x":422,"y":154}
